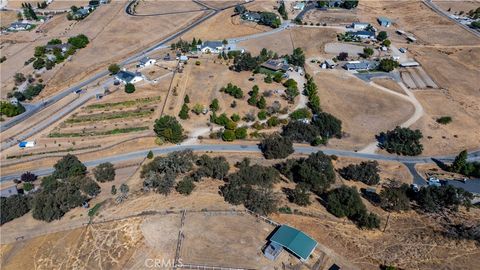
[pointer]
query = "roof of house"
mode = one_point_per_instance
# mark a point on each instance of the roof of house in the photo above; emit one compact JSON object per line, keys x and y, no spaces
{"x":125,"y":75}
{"x":330,"y":62}
{"x":364,"y":33}
{"x":276,"y":64}
{"x":294,"y":240}
{"x":357,"y":65}
{"x":145,"y":60}
{"x":212,"y":44}
{"x":19,"y":24}
{"x":361,"y":23}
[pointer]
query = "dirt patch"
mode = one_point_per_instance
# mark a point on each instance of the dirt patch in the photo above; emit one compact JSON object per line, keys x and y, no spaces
{"x":454,"y":7}
{"x":390,"y":84}
{"x":364,"y":111}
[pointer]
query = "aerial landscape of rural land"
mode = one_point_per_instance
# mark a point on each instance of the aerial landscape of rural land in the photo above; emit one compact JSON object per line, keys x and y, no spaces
{"x":240,"y":134}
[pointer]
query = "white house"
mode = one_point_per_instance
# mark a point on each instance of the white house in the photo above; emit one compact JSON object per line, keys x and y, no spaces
{"x":364,"y":34}
{"x":212,"y":47}
{"x":19,"y":26}
{"x":359,"y":25}
{"x":128,"y":77}
{"x":146,"y":62}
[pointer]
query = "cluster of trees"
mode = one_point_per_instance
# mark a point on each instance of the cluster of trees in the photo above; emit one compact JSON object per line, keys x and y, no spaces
{"x":323,"y":127}
{"x":269,"y":19}
{"x":216,"y":167}
{"x":315,"y":172}
{"x":231,"y":131}
{"x":366,"y":172}
{"x":160,"y":174}
{"x":232,"y":90}
{"x":275,"y":146}
{"x":114,"y":69}
{"x":183,"y":114}
{"x":30,"y":92}
{"x":282,"y":10}
{"x":430,"y":199}
{"x":346,"y":202}
{"x":367,"y":52}
{"x":292,"y":89}
{"x":10,"y":110}
{"x":13,"y":207}
{"x":252,"y":187}
{"x":254,"y":99}
{"x":401,"y":141}
{"x":76,"y":42}
{"x":28,"y":11}
{"x":387,"y":64}
{"x":185,"y":46}
{"x":168,"y":129}
{"x":347,"y":4}
{"x":462,"y":166}
{"x":297,"y":58}
{"x":68,"y":187}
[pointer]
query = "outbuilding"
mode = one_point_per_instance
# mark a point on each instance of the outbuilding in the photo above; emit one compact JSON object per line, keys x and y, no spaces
{"x":146,"y":62}
{"x":329,"y":63}
{"x":292,"y":240}
{"x":128,"y":77}
{"x":360,"y":25}
{"x":384,"y":21}
{"x":357,"y":65}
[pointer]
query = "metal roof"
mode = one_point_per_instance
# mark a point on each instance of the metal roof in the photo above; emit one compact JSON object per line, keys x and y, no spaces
{"x":295,"y":241}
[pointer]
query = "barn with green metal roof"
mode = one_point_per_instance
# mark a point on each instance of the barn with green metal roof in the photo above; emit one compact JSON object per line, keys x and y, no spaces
{"x":291,"y":239}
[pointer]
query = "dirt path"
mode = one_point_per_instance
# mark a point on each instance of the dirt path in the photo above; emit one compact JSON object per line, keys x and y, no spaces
{"x":410,"y":97}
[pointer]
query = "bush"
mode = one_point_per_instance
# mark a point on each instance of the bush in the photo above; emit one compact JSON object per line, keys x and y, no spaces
{"x":402,"y":141}
{"x":150,"y":154}
{"x":343,"y":56}
{"x":185,"y":186}
{"x":303,"y":113}
{"x":275,"y":147}
{"x":216,"y":167}
{"x":228,"y":135}
{"x":268,"y":79}
{"x":28,"y":177}
{"x":366,"y":172}
{"x":104,"y":172}
{"x":300,"y":195}
{"x":168,"y":129}
{"x":262,"y":115}
{"x":235,"y":117}
{"x":79,"y":41}
{"x":273,"y":121}
{"x":129,"y":88}
{"x":214,"y":106}
{"x":183,"y":114}
{"x":367,"y":52}
{"x":113,"y":190}
{"x":197,"y":63}
{"x":241,"y":133}
{"x":10,"y":110}
{"x":444,"y":120}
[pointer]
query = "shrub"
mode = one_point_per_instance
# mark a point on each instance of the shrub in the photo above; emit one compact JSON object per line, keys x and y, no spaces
{"x":382,"y":35}
{"x":113,"y":190}
{"x":444,"y":120}
{"x":129,"y":88}
{"x":197,"y":63}
{"x":185,"y":186}
{"x":150,"y":154}
{"x":104,"y":172}
{"x":388,"y":65}
{"x":302,"y":113}
{"x":28,"y":177}
{"x":235,"y":117}
{"x":262,"y":115}
{"x":273,"y":121}
{"x":228,"y":135}
{"x":268,"y":79}
{"x":183,"y":114}
{"x":241,"y":133}
{"x":275,"y":147}
{"x":168,"y":129}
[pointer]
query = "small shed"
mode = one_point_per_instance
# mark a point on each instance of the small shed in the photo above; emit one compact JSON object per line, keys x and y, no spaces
{"x":411,"y":39}
{"x":330,"y":63}
{"x":384,"y":21}
{"x":293,"y":240}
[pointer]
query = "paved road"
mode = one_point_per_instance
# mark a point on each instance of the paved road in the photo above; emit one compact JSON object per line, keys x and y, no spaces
{"x":473,"y":156}
{"x":438,"y":10}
